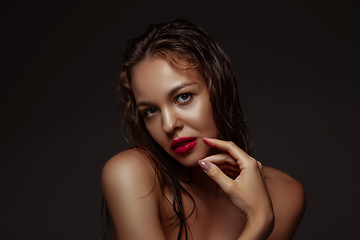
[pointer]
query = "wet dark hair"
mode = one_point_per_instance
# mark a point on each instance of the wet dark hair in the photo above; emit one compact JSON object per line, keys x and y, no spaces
{"x":181,"y":39}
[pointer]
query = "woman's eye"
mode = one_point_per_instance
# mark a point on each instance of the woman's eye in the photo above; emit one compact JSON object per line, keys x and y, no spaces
{"x":149,"y":112}
{"x":183,"y":98}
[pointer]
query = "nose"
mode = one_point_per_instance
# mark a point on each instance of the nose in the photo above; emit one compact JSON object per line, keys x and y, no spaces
{"x":170,"y":121}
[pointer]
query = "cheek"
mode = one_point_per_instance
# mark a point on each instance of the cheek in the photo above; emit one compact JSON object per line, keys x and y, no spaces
{"x":202,"y":118}
{"x":209,"y":125}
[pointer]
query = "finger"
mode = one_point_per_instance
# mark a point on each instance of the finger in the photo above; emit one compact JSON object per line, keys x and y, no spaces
{"x":216,"y":174}
{"x":238,"y":154}
{"x":228,"y":167}
{"x":230,"y":173}
{"x":225,"y":162}
{"x":222,"y":158}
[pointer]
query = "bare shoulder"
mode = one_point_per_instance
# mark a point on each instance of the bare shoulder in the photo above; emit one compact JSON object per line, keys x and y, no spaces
{"x":130,"y":168}
{"x":282,"y":184}
{"x":128,"y":157}
{"x":288,"y":198}
{"x":132,"y":194}
{"x":131,"y":158}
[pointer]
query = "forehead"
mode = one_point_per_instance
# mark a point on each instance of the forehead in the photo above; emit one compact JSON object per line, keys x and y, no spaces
{"x":158,"y":75}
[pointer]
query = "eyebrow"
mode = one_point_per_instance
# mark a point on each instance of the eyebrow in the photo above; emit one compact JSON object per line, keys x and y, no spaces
{"x":171,"y":93}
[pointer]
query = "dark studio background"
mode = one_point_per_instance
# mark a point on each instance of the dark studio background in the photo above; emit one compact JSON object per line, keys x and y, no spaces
{"x":298,"y":69}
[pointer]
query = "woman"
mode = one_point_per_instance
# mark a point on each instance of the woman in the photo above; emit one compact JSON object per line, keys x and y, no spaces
{"x":191,"y":174}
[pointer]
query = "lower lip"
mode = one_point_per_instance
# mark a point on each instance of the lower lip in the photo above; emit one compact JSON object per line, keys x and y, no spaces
{"x":185,"y":148}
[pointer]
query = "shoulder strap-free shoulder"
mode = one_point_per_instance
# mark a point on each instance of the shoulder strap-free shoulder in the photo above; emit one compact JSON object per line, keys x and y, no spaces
{"x":132,"y":194}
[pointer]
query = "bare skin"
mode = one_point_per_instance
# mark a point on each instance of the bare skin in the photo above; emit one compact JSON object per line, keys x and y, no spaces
{"x":139,"y":211}
{"x":174,"y":104}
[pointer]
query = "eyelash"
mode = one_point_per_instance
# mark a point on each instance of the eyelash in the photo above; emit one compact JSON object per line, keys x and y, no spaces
{"x":188,"y":96}
{"x":145,"y":112}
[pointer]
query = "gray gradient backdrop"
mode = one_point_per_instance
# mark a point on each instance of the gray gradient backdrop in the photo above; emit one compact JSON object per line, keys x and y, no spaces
{"x":297,"y":63}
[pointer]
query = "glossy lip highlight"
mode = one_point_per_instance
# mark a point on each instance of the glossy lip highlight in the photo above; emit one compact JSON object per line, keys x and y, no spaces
{"x":183,"y":145}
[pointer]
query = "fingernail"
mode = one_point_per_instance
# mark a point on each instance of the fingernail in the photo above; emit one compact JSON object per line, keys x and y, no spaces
{"x":206,"y":139}
{"x":205,"y":166}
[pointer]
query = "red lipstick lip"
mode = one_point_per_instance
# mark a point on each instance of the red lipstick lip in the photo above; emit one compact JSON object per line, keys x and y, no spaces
{"x":183,"y":145}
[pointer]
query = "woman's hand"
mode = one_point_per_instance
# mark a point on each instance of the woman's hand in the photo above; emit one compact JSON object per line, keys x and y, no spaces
{"x":246,"y":189}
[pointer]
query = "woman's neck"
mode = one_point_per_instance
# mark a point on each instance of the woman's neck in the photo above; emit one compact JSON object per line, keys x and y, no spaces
{"x":201,"y":184}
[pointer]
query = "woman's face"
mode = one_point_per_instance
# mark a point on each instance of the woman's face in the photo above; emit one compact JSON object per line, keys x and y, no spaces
{"x":176,"y":108}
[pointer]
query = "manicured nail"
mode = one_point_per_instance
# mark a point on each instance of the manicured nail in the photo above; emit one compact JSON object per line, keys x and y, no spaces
{"x":205,"y":165}
{"x":206,"y":139}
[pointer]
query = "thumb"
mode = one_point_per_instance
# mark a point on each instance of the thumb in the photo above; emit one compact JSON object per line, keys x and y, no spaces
{"x":215,"y":173}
